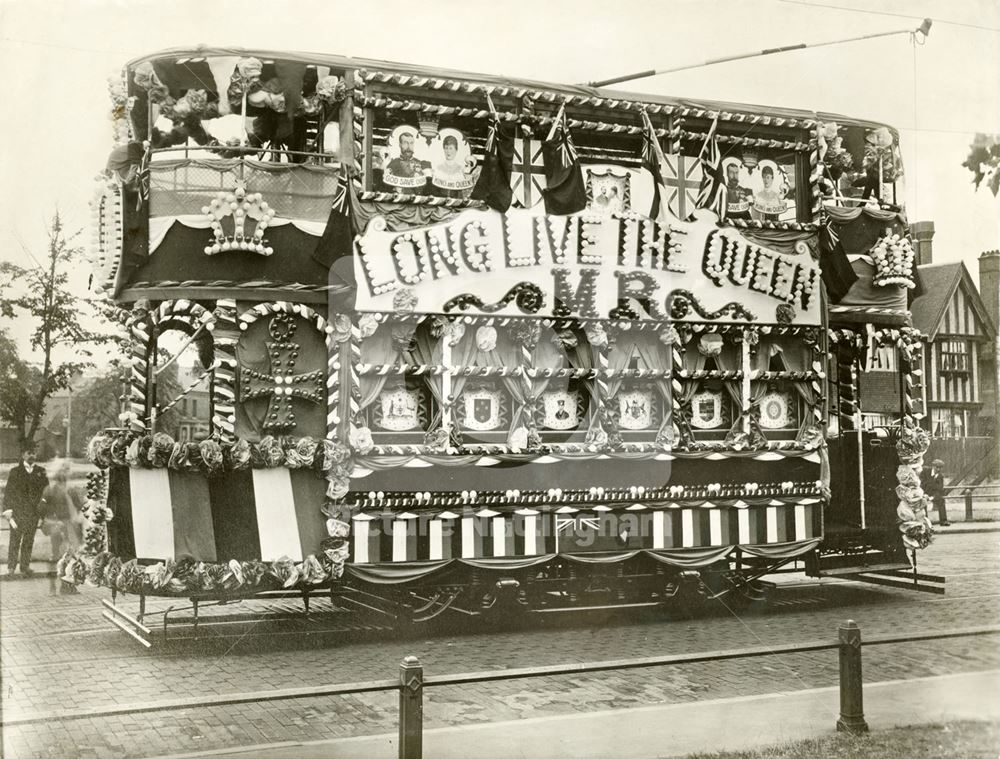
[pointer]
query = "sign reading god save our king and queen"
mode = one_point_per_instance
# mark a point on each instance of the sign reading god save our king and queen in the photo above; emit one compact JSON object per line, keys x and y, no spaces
{"x":588,"y":266}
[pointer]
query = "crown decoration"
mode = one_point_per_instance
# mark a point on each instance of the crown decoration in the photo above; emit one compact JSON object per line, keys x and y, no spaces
{"x":893,"y":257}
{"x":241,"y":206}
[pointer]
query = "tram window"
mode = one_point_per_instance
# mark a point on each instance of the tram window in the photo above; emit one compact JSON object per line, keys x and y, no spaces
{"x":640,"y":403}
{"x":182,"y":389}
{"x":564,"y":407}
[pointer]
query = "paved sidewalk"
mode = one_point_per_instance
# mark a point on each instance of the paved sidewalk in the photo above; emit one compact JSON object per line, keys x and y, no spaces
{"x":672,"y":730}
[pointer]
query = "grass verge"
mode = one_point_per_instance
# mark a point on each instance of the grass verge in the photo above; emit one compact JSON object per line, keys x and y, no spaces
{"x":969,"y":740}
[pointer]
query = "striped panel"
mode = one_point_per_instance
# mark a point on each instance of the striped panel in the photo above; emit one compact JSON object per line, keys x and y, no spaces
{"x":152,"y":516}
{"x":527,"y":533}
{"x":275,"y":514}
{"x":404,"y":537}
{"x":468,"y":537}
{"x":687,"y":528}
{"x":234,"y":515}
{"x":172,"y":517}
{"x":361,"y":531}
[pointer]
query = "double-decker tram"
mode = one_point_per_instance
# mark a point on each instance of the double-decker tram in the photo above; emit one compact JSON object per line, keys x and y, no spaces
{"x":476,"y":344}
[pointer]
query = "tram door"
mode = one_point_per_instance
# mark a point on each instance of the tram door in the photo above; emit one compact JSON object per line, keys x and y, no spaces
{"x":844,"y":511}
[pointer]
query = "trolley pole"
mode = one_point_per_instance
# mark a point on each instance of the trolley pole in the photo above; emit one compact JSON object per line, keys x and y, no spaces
{"x":411,"y":708}
{"x":852,"y":712}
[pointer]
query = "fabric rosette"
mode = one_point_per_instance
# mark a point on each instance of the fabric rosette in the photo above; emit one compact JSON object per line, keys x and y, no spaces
{"x":249,"y":68}
{"x":285,"y":571}
{"x":337,"y":528}
{"x":404,"y":301}
{"x":526,"y":332}
{"x":486,"y":339}
{"x":910,"y":494}
{"x":301,"y":453}
{"x":596,"y":438}
{"x":98,"y":567}
{"x":119,"y":450}
{"x":311,"y":572}
{"x":565,"y":339}
{"x":238,"y":455}
{"x":211,"y":456}
{"x":710,"y":345}
{"x":267,"y":453}
{"x":144,"y":75}
{"x":596,"y":334}
{"x":669,"y":336}
{"x":253,"y":572}
{"x":913,"y":444}
{"x":338,"y":485}
{"x":137,"y":454}
{"x":330,"y":89}
{"x":232,"y":576}
{"x":335,"y":454}
{"x":99,"y":450}
{"x":111,"y":572}
{"x":518,"y":439}
{"x":160,"y":448}
{"x":437,"y":440}
{"x":185,"y":457}
{"x":341,"y":325}
{"x":361,"y":440}
{"x":367,"y":324}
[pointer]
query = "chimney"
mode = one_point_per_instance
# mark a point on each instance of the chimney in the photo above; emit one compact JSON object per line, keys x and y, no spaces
{"x":922,"y":233}
{"x":989,"y":283}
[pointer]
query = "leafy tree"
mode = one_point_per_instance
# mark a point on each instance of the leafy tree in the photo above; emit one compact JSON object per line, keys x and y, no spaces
{"x":19,"y":383}
{"x":984,"y":161}
{"x":41,"y":295}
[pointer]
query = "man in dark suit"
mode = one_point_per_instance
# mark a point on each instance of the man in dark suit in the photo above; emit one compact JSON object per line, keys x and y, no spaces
{"x":21,"y":499}
{"x":932,"y":481}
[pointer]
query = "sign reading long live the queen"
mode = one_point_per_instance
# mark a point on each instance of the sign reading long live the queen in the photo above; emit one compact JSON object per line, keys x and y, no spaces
{"x":521,"y":263}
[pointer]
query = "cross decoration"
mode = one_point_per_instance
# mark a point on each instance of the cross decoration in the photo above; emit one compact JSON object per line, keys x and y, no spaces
{"x":282,"y":384}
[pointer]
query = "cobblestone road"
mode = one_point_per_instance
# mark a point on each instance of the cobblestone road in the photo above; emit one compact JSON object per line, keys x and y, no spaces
{"x":52,"y":659}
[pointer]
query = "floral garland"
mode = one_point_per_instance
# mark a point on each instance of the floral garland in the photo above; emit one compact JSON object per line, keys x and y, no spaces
{"x":879,"y":151}
{"x":212,"y":456}
{"x":914,"y":522}
{"x":893,"y":256}
{"x":185,"y":575}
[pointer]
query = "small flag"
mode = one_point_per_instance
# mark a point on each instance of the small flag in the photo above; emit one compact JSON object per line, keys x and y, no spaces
{"x":493,"y":186}
{"x":338,"y":236}
{"x":653,"y":161}
{"x":565,"y":192}
{"x":712,"y":193}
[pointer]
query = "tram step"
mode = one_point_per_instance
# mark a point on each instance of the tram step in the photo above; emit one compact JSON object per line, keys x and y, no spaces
{"x":847,"y":571}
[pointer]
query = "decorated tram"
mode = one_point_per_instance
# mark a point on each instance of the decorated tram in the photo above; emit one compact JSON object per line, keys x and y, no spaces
{"x":473,"y":344}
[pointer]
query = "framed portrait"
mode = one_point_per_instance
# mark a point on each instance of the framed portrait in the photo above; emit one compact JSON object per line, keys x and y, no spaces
{"x":452,"y":166}
{"x":739,"y":195}
{"x":608,"y":191}
{"x":773,"y":187}
{"x":561,"y":410}
{"x":405,"y":165}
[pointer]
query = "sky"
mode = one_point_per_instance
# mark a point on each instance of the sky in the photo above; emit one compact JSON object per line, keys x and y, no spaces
{"x":58,"y":55}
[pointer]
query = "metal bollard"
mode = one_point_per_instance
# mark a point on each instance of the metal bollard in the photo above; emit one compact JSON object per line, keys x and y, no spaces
{"x":411,"y":708}
{"x":968,"y":505}
{"x":852,"y":712}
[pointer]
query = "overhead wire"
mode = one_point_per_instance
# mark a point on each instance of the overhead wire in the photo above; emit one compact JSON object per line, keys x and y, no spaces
{"x":887,"y":13}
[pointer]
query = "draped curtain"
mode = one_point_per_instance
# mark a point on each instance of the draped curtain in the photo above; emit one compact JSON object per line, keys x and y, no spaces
{"x":427,"y":350}
{"x":694,"y":361}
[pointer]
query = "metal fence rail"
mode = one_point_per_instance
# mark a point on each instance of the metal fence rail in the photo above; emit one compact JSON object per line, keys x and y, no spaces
{"x":412,"y":681}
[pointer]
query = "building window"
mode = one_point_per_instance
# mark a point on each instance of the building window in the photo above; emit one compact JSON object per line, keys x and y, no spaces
{"x":883,"y":359}
{"x":955,"y":356}
{"x":946,"y":422}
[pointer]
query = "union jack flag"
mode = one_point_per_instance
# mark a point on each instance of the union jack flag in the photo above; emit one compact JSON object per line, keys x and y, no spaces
{"x":653,"y":160}
{"x":527,"y":180}
{"x":681,"y":176}
{"x":712,"y":192}
{"x":570,"y":529}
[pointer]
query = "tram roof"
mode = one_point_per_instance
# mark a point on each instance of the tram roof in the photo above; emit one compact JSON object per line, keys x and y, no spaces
{"x":347,"y":62}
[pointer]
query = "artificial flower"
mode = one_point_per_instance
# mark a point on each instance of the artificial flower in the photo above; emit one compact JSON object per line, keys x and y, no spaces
{"x":160,"y":448}
{"x":238,"y":455}
{"x":596,"y":334}
{"x":710,"y":344}
{"x":267,"y":453}
{"x":330,"y":89}
{"x":249,"y":68}
{"x":486,"y":338}
{"x":212,"y":456}
{"x":404,"y":301}
{"x":367,"y":324}
{"x":437,"y":439}
{"x":144,"y":75}
{"x":301,"y":454}
{"x":361,"y":439}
